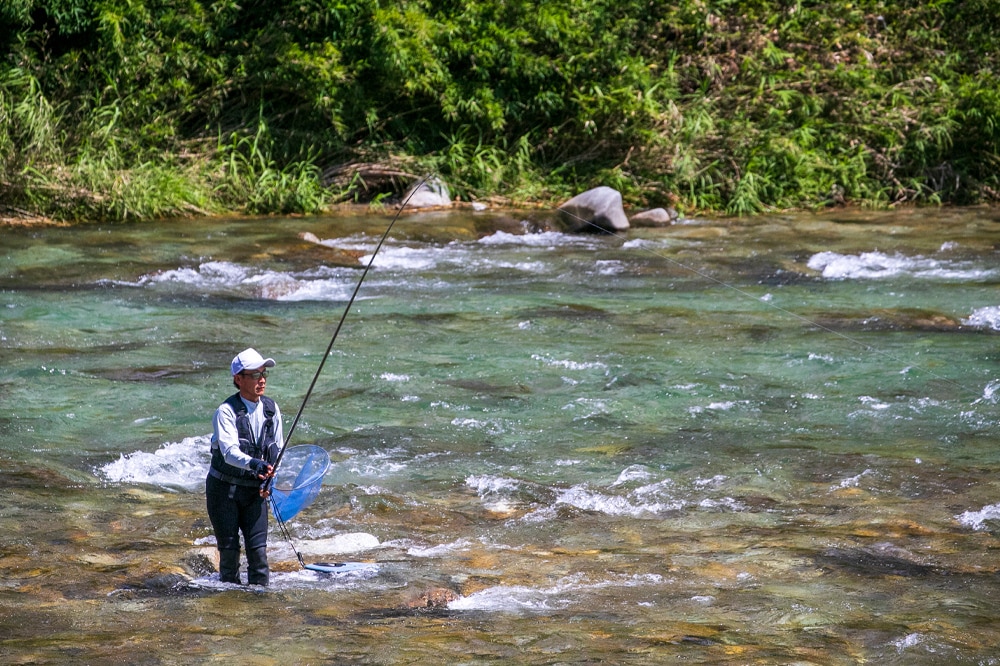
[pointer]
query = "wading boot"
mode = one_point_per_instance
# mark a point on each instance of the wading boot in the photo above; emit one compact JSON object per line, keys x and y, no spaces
{"x":257,"y":569}
{"x":229,"y":566}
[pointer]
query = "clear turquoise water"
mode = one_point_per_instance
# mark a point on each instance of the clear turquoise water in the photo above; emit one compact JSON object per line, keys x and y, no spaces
{"x":754,"y":441}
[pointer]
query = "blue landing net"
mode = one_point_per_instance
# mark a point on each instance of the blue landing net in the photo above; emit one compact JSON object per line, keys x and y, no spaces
{"x":298,"y":480}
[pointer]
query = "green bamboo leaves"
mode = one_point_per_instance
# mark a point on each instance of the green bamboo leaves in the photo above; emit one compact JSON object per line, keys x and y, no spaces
{"x":125,"y":109}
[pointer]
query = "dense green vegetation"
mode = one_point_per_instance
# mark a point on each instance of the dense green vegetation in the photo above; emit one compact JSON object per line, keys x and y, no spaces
{"x":117,"y":109}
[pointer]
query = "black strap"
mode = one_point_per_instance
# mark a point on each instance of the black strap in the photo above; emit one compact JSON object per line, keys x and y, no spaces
{"x":235,"y":480}
{"x":258,"y":447}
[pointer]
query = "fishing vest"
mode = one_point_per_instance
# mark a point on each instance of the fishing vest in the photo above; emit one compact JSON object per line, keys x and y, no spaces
{"x":264,"y":449}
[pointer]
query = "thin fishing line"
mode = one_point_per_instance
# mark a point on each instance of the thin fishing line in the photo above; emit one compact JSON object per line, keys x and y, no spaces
{"x":870,"y":348}
{"x":340,"y":324}
{"x":284,"y":530}
{"x":266,"y":485}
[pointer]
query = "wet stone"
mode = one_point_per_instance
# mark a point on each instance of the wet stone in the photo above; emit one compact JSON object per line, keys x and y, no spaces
{"x":882,"y":560}
{"x":201,"y":562}
{"x":432,"y":598}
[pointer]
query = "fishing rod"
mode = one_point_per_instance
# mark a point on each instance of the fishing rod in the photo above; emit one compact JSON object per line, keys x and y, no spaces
{"x":265,"y":487}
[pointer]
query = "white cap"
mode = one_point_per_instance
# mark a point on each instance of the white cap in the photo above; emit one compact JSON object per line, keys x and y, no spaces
{"x":249,"y":359}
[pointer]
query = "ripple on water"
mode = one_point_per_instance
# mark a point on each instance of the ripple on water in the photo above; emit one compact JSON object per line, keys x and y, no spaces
{"x":567,"y":449}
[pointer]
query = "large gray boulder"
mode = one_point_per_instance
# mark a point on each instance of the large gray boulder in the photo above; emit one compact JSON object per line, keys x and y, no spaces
{"x":596,"y":210}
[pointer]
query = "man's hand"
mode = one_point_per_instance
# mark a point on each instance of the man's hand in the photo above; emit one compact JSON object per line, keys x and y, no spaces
{"x":261,"y":469}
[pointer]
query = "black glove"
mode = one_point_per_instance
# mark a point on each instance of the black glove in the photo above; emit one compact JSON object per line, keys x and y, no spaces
{"x":258,"y":467}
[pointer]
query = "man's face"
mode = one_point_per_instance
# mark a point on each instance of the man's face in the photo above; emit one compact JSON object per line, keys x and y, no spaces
{"x":252,"y":383}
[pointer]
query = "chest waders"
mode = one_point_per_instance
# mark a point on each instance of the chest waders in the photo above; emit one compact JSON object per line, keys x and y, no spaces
{"x":233,"y":497}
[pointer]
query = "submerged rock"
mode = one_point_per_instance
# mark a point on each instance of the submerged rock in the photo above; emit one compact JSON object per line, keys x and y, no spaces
{"x":147,"y":374}
{"x":337,"y":256}
{"x":201,"y":561}
{"x":341,"y":544}
{"x":885,"y":319}
{"x":281,"y":557}
{"x":479,"y":386}
{"x":166,"y":581}
{"x":434,"y":597}
{"x":877,"y":560}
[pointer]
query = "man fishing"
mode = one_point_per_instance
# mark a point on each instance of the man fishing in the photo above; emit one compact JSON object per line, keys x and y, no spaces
{"x":246,"y":440}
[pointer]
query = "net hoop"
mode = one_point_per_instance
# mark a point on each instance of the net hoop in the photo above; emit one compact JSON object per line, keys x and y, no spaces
{"x":298,"y":480}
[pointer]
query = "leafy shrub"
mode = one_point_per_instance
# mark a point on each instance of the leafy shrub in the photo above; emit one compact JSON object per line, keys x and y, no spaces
{"x":739,"y":106}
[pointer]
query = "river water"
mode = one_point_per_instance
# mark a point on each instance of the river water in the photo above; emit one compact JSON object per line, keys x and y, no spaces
{"x":769,"y":440}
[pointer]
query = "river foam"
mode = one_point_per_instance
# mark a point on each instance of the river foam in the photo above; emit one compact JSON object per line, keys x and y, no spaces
{"x":174,"y":466}
{"x":987,"y":317}
{"x":879,"y":265}
{"x":978,"y":520}
{"x":566,"y":592}
{"x":397,"y":266}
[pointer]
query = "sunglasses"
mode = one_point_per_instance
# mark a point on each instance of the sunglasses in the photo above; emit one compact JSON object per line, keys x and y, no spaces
{"x":255,"y":375}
